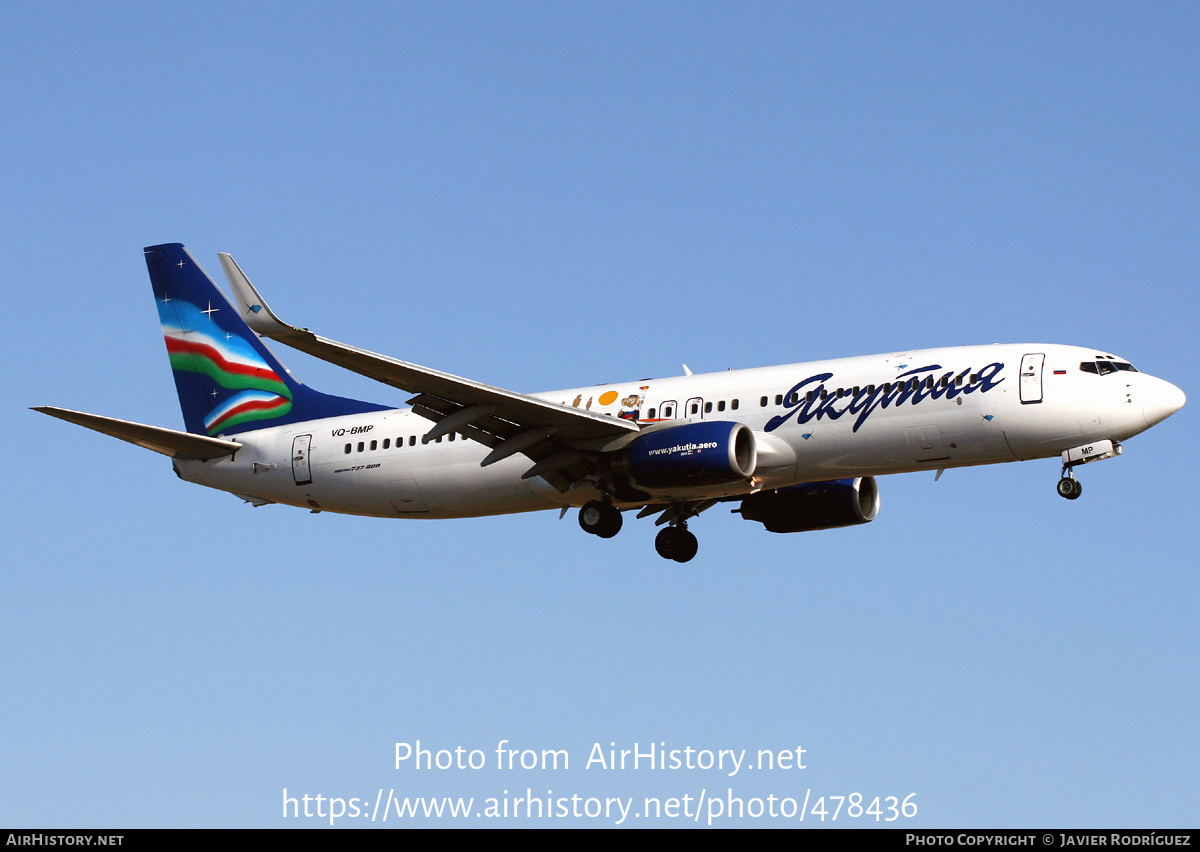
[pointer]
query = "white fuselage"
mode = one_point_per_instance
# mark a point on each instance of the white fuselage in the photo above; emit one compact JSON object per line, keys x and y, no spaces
{"x":970,"y":405}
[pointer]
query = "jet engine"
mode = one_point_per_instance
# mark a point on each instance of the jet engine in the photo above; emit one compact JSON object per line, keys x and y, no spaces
{"x":710,"y":452}
{"x":814,"y":505}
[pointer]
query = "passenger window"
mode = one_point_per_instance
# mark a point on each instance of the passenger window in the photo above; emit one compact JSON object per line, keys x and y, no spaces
{"x":721,"y":405}
{"x":779,"y":399}
{"x":347,"y":449}
{"x":695,"y":408}
{"x":708,"y":408}
{"x":734,"y":405}
{"x":387,"y":442}
{"x":669,"y":412}
{"x":763,"y":402}
{"x":650,"y":414}
{"x":412,"y":440}
{"x":452,"y":434}
{"x":810,"y":396}
{"x":374,"y":445}
{"x":360,"y":446}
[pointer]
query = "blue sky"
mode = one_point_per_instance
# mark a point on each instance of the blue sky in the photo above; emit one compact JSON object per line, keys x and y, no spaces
{"x":549,"y":195}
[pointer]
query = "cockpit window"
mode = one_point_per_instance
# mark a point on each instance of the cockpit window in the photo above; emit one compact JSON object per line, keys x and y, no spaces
{"x":1103,"y":368}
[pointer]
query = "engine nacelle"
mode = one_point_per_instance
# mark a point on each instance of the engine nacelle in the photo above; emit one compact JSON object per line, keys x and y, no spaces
{"x":710,"y":452}
{"x":814,"y":505}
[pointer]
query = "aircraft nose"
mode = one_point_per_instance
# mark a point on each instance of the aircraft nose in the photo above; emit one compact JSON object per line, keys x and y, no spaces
{"x":1160,"y":401}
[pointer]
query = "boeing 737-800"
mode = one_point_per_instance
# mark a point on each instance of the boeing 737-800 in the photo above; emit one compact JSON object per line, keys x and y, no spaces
{"x":797,"y":446}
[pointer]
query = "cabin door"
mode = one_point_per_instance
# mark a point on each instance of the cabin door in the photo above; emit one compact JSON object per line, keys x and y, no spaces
{"x":1031,"y":378}
{"x":300,"y":470}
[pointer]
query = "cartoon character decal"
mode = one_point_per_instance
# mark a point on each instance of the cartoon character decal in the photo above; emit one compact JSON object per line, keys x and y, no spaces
{"x":631,"y":406}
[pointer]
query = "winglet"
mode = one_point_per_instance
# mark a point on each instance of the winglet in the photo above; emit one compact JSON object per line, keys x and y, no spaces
{"x":254,"y":309}
{"x":438,"y":394}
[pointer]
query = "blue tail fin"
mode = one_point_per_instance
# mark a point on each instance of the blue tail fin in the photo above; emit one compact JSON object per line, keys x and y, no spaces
{"x":228,"y":382}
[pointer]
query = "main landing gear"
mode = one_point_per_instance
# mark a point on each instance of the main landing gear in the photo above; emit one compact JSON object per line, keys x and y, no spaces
{"x":602,"y":519}
{"x":676,"y":543}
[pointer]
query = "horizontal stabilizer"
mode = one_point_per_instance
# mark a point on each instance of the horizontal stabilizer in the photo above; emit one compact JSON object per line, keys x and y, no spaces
{"x":169,"y":442}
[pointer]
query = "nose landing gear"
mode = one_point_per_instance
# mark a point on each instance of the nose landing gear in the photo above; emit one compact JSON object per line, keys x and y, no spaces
{"x":1069,"y":487}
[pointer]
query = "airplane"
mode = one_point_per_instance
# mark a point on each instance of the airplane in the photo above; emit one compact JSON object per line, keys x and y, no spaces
{"x":797,"y":446}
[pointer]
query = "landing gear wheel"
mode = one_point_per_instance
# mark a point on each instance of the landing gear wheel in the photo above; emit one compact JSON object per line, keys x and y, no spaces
{"x":689,"y":548}
{"x":1069,"y":488}
{"x":602,"y":519}
{"x":676,"y":543}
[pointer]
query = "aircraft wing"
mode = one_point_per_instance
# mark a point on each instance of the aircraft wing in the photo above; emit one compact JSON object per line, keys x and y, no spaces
{"x":169,"y":442}
{"x":548,"y":433}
